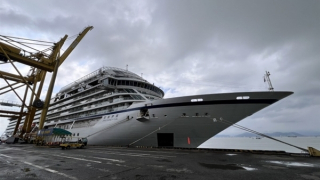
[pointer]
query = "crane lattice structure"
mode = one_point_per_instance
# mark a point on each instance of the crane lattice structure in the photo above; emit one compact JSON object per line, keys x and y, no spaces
{"x":15,"y":50}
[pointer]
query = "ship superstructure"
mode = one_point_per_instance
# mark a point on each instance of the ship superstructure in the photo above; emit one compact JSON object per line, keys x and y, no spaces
{"x":113,"y":106}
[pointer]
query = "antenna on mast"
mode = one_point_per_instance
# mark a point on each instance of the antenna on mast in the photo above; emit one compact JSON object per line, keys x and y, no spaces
{"x":267,"y":78}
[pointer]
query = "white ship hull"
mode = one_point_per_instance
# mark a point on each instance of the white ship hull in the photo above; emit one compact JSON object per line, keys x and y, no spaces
{"x":189,"y":130}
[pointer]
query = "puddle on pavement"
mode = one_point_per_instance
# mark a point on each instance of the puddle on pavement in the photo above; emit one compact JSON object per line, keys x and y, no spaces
{"x":292,"y":163}
{"x":249,"y":168}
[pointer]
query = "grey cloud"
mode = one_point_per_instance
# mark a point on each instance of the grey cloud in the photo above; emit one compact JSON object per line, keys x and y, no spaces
{"x":190,"y":47}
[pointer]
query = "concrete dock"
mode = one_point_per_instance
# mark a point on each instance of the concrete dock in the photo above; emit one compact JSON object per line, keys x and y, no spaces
{"x":25,"y":161}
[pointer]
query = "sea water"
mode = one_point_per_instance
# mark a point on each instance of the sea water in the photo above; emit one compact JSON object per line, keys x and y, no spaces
{"x":249,"y":143}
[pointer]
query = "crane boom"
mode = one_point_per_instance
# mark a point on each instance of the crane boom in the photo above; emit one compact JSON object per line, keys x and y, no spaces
{"x":74,"y":44}
{"x":58,"y":62}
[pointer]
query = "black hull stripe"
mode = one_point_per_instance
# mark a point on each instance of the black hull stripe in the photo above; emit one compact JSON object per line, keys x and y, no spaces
{"x":218,"y":102}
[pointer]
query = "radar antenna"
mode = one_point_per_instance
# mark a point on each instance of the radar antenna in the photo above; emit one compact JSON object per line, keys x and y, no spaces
{"x":267,"y":78}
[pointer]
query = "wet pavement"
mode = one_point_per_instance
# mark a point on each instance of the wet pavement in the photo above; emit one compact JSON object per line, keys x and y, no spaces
{"x":18,"y":161}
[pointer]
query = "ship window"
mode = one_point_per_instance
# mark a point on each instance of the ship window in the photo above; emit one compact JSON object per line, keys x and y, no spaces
{"x":243,"y":97}
{"x":112,"y":115}
{"x":196,"y":100}
{"x":78,"y":134}
{"x":117,"y":115}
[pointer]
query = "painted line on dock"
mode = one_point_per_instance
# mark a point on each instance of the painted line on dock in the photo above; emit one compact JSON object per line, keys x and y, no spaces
{"x":119,"y":149}
{"x":81,"y":159}
{"x":133,"y":154}
{"x":5,"y":156}
{"x":114,"y":160}
{"x":47,"y":169}
{"x":5,"y":159}
{"x":107,"y":159}
{"x":6,"y":149}
{"x":51,"y":170}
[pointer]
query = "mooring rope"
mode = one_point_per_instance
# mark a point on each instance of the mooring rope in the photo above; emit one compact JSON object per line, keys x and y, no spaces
{"x":255,"y":132}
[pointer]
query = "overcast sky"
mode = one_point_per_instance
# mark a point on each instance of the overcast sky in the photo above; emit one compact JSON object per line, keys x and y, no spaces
{"x":188,"y":48}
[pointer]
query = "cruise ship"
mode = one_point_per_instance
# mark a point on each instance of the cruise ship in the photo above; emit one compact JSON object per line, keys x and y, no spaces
{"x":116,"y":107}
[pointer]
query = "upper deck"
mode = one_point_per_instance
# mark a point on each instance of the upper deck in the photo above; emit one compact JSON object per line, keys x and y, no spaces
{"x":107,"y":78}
{"x":111,"y":71}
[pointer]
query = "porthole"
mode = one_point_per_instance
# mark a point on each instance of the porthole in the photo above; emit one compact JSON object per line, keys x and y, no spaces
{"x":78,"y":134}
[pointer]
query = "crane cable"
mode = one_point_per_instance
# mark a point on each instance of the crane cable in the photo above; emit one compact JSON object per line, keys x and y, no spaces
{"x":21,"y":43}
{"x":255,"y":132}
{"x":8,"y":37}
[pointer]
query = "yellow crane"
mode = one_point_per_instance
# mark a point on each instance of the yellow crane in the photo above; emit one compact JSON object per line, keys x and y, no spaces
{"x":40,"y":63}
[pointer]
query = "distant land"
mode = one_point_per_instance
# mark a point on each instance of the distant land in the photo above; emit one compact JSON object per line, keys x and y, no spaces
{"x":274,"y":134}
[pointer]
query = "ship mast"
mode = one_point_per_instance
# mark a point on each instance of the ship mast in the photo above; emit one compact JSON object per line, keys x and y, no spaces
{"x":267,"y":78}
